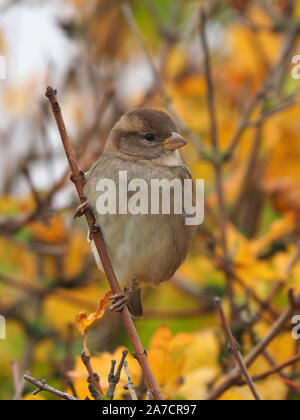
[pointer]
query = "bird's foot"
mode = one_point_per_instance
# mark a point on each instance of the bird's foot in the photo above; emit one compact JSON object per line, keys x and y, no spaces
{"x":81,"y":209}
{"x":120,"y":300}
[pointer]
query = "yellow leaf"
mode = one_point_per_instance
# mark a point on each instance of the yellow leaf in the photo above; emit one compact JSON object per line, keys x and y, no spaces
{"x":180,"y":362}
{"x":77,"y":250}
{"x":195,"y":383}
{"x":84,"y":321}
{"x":278,"y":229}
{"x":101,"y":366}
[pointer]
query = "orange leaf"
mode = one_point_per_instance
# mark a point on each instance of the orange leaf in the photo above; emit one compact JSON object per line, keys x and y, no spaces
{"x":52,"y":231}
{"x":84,"y":321}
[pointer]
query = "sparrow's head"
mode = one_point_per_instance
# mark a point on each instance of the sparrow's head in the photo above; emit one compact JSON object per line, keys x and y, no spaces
{"x":144,"y":134}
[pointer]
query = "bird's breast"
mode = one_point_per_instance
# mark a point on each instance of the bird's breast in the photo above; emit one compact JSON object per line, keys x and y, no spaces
{"x":146,"y":247}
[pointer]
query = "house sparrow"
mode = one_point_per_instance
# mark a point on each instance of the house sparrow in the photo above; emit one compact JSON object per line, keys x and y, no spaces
{"x":145,"y":249}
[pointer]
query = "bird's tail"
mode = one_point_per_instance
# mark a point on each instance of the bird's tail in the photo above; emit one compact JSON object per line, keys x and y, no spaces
{"x":135,"y":304}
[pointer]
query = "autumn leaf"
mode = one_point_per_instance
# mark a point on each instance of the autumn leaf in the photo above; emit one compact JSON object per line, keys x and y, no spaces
{"x":101,"y":365}
{"x":180,"y":361}
{"x":52,"y":231}
{"x":84,"y":321}
{"x":74,"y":259}
{"x":182,"y":365}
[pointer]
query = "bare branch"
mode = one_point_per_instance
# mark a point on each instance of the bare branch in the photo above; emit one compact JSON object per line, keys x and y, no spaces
{"x":96,"y":235}
{"x":94,"y":393}
{"x":93,"y":377}
{"x":216,"y":155}
{"x":113,"y":379}
{"x":272,"y":371}
{"x":18,"y":385}
{"x":235,"y":349}
{"x":43,"y":386}
{"x":269,"y":84}
{"x":259,"y":348}
{"x":130,"y":384}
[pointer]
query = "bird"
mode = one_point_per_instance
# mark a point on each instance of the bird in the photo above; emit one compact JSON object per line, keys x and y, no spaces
{"x":144,"y":249}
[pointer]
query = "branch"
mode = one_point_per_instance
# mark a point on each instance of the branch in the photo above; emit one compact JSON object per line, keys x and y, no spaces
{"x":235,"y":350}
{"x":130,"y":384}
{"x":43,"y":386}
{"x":270,"y":372}
{"x":18,"y":385}
{"x":265,"y":88}
{"x":97,"y":237}
{"x":94,"y":393}
{"x":216,"y":154}
{"x":93,"y":377}
{"x":113,"y":379}
{"x":283,"y":107}
{"x":259,"y":348}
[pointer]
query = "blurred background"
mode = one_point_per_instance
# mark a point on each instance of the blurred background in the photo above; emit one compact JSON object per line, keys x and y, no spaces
{"x":106,"y":57}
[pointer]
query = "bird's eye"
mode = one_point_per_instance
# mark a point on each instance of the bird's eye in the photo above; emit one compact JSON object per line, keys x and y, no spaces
{"x":149,"y":137}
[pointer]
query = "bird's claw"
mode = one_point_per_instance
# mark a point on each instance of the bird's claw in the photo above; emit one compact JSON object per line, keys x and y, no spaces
{"x":120,"y":300}
{"x":81,"y":209}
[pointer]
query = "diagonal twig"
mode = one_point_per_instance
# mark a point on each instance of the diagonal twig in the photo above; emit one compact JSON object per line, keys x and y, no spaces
{"x":267,"y":86}
{"x":235,"y":349}
{"x":278,"y":325}
{"x":94,"y":392}
{"x":43,"y":386}
{"x":130,"y":384}
{"x":96,"y":235}
{"x":272,"y":371}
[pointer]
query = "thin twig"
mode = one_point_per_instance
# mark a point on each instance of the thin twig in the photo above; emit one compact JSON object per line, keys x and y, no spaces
{"x":278,"y":325}
{"x":113,"y":379}
{"x":96,"y":235}
{"x":284,"y":107}
{"x":18,"y":385}
{"x":93,"y":376}
{"x":216,"y":154}
{"x":272,"y":371}
{"x":235,"y":349}
{"x":43,"y":386}
{"x":94,"y":393}
{"x":268,"y":84}
{"x":130,"y":384}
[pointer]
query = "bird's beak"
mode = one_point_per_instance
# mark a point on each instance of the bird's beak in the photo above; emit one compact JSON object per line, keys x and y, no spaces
{"x":174,"y":142}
